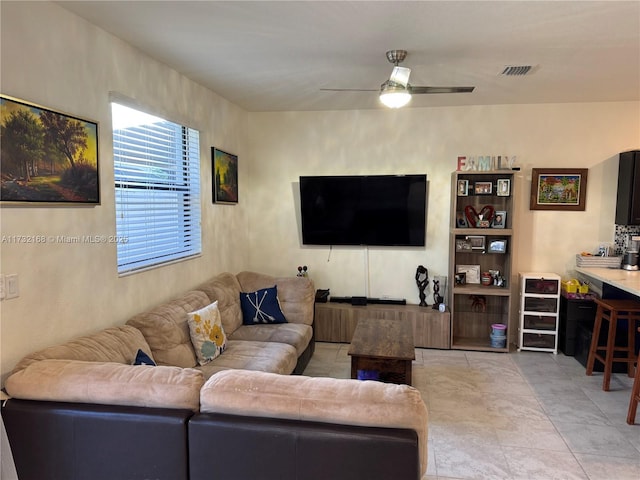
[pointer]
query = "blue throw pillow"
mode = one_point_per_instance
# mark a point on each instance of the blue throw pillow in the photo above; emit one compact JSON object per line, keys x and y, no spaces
{"x":143,"y":359}
{"x":261,"y":306}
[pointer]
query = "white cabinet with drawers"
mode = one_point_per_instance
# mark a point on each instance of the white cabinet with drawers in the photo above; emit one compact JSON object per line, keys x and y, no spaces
{"x":539,"y":311}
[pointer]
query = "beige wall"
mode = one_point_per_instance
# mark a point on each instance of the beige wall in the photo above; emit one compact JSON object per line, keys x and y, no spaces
{"x":429,"y":140}
{"x":55,"y":59}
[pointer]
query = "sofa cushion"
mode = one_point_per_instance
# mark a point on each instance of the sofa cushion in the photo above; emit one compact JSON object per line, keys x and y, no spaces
{"x":330,"y":400}
{"x":295,"y":334}
{"x":207,"y":334}
{"x":166,"y":329}
{"x":108,"y":384}
{"x":263,"y":356}
{"x":296,"y":294}
{"x":261,"y":307}
{"x":226,"y":290}
{"x":115,"y":344}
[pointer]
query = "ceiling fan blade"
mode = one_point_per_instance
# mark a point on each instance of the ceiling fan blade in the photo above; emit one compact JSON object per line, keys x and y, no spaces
{"x":400,"y":75}
{"x":419,"y":90}
{"x":349,"y":90}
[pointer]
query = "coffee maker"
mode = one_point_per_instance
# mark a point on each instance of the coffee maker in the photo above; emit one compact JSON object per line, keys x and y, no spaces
{"x":630,"y":256}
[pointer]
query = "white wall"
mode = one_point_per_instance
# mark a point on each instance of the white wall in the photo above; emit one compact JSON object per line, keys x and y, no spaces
{"x":55,"y":59}
{"x":429,"y":140}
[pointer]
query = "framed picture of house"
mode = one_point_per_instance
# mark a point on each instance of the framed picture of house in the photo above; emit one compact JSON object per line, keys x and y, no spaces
{"x":46,"y":157}
{"x":558,"y":188}
{"x":225,"y":176}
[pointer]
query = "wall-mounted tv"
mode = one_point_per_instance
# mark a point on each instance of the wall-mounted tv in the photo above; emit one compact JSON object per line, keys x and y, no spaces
{"x":380,"y":210}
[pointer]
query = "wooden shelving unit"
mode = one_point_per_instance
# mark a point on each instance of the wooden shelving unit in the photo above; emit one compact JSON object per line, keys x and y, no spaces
{"x":475,"y":307}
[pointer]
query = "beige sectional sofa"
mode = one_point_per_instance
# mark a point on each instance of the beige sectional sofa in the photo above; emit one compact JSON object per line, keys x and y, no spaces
{"x":68,"y":390}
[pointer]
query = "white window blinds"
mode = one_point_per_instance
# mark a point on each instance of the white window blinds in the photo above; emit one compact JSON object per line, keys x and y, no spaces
{"x":157,"y":189}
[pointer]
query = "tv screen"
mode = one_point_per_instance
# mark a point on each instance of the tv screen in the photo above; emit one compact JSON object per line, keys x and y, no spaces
{"x":380,"y":210}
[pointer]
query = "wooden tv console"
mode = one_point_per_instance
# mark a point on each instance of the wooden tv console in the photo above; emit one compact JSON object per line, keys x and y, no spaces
{"x":336,"y":322}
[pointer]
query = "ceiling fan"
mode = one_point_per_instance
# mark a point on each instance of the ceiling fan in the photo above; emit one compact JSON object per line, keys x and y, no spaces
{"x":396,"y":92}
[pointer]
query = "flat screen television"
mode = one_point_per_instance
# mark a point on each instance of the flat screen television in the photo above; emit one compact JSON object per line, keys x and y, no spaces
{"x":377,"y":210}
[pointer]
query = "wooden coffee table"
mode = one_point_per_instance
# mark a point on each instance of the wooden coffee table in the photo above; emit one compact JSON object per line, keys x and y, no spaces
{"x":384,"y":346}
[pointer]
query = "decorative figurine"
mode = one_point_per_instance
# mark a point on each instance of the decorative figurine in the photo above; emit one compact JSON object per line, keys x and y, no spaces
{"x":437,"y":298}
{"x":478,"y":303}
{"x":422,"y":280}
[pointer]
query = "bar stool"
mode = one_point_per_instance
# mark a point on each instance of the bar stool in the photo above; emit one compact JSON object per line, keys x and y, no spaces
{"x":613,"y":310}
{"x":635,"y":394}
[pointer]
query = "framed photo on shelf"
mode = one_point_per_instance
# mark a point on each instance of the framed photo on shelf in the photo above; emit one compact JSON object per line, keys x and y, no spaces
{"x":461,"y":220}
{"x":477,"y":242}
{"x":471,"y":272}
{"x":460,"y":278}
{"x":503,"y":187}
{"x":558,"y":189}
{"x":483,"y":188}
{"x":497,"y":246}
{"x":499,"y":219}
{"x":463,"y":245}
{"x":463,"y":188}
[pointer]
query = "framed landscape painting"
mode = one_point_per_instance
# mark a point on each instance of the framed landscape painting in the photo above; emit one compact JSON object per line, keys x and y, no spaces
{"x":225,"y":177}
{"x":46,"y":156}
{"x":558,"y":188}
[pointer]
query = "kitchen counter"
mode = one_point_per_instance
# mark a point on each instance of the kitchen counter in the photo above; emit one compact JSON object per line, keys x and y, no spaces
{"x":626,"y":280}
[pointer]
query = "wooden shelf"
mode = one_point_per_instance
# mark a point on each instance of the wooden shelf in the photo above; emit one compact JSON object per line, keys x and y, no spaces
{"x":471,"y":317}
{"x":481,"y":290}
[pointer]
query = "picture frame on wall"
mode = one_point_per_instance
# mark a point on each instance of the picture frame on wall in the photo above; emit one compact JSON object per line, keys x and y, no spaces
{"x":47,"y":157}
{"x":463,"y":188}
{"x":225,"y":176}
{"x":503,"y":187}
{"x":558,"y":189}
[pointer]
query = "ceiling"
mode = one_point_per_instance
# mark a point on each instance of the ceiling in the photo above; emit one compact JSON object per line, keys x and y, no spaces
{"x":277,"y":56}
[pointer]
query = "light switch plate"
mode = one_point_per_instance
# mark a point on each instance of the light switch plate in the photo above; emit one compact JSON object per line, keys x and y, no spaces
{"x":12,"y":289}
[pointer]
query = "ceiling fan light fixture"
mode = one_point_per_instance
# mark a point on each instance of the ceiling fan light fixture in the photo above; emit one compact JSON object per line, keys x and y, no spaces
{"x":393,"y":95}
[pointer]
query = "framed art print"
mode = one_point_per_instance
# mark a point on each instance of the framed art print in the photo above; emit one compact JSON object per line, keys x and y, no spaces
{"x":225,"y":176}
{"x":558,"y":188}
{"x":46,"y":157}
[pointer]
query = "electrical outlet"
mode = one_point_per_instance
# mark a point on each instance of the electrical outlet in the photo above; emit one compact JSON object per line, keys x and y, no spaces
{"x":12,"y":289}
{"x":2,"y":287}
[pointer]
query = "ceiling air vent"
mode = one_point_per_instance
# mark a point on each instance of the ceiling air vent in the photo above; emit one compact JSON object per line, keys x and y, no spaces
{"x":512,"y":70}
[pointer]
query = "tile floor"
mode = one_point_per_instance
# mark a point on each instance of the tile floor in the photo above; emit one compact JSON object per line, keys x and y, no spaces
{"x":524,"y":415}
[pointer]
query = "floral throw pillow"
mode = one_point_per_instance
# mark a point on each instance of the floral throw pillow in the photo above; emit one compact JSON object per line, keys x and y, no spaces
{"x":207,"y":335}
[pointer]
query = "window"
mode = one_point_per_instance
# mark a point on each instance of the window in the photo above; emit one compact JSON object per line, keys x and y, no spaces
{"x":157,"y":189}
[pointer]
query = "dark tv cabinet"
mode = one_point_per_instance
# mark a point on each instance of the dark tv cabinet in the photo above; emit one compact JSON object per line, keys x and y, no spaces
{"x":628,"y":199}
